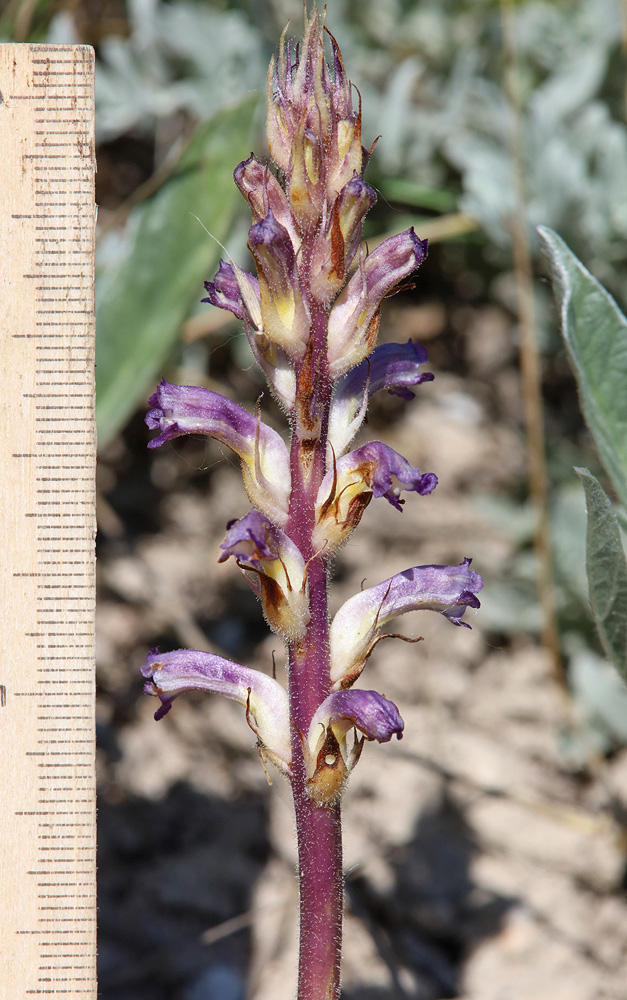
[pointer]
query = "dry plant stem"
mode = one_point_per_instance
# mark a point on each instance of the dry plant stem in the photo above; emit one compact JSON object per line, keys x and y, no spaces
{"x":623,"y":25}
{"x":530,"y":370}
{"x":23,"y":19}
{"x":318,"y":830}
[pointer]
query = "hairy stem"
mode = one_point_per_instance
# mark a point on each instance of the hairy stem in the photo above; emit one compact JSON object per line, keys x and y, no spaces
{"x":319,"y":834}
{"x":318,"y":829}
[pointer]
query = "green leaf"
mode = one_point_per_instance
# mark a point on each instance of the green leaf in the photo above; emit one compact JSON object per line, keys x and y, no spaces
{"x":595,"y":332}
{"x":145,"y":295}
{"x":607,"y":572}
{"x":411,"y":193}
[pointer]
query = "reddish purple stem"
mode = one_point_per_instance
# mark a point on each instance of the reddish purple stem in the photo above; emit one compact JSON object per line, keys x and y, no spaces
{"x":318,"y":829}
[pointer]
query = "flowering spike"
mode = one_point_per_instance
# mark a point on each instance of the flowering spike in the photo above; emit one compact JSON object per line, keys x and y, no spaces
{"x":311,"y":316}
{"x":314,"y":134}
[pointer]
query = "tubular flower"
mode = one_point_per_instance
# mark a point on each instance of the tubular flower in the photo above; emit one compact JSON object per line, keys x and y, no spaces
{"x":354,"y":318}
{"x":356,"y":627}
{"x":274,"y":568}
{"x":328,"y":758}
{"x":284,"y":313}
{"x":170,"y":674}
{"x":333,"y":255}
{"x":374,"y":470}
{"x":395,"y":367}
{"x":188,"y":409}
{"x":311,"y":314}
{"x":238,"y":292}
{"x":264,"y":194}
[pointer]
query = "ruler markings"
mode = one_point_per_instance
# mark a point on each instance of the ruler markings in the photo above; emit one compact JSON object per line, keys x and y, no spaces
{"x":50,"y":133}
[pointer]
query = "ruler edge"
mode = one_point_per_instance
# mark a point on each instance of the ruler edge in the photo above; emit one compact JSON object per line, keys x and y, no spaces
{"x":85,"y":58}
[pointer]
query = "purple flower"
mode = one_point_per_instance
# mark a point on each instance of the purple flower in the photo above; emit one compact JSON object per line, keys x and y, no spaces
{"x":265,"y":195}
{"x":274,"y":568}
{"x":170,"y":674}
{"x":284,"y":313}
{"x":329,"y":761}
{"x":253,"y":540}
{"x":186,"y":409}
{"x":356,"y":626}
{"x":354,"y":319}
{"x":314,"y":135}
{"x":368,"y":711}
{"x":237,"y":291}
{"x":391,"y":473}
{"x":395,"y":367}
{"x":376,"y":470}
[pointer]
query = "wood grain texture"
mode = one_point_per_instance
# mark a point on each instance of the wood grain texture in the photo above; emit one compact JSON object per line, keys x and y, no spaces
{"x":47,"y":523}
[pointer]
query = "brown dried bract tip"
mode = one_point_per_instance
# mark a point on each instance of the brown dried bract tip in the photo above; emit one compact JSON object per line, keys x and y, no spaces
{"x":327,"y":782}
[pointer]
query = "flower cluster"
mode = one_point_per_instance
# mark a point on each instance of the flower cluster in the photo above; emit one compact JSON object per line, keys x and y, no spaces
{"x":311,"y":315}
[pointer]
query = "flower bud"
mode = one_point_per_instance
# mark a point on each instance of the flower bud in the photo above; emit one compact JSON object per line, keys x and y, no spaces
{"x":284,"y":314}
{"x":314,"y":135}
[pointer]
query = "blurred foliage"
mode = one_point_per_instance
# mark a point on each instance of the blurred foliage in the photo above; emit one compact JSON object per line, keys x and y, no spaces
{"x":432,"y":72}
{"x":607,"y":572}
{"x":149,"y":277}
{"x":595,"y":332}
{"x":178,"y":58}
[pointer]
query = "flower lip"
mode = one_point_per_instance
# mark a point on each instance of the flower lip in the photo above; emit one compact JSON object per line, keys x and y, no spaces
{"x":390,"y":466}
{"x":368,"y":711}
{"x":379,"y":469}
{"x":268,"y":232}
{"x":224,"y":291}
{"x":394,"y":367}
{"x":189,"y":409}
{"x":249,"y":538}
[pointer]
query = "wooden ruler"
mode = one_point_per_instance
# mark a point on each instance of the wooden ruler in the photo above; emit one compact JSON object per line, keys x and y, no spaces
{"x":47,"y":523}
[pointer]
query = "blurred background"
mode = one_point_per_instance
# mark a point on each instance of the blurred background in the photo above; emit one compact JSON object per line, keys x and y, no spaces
{"x":485,"y":854}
